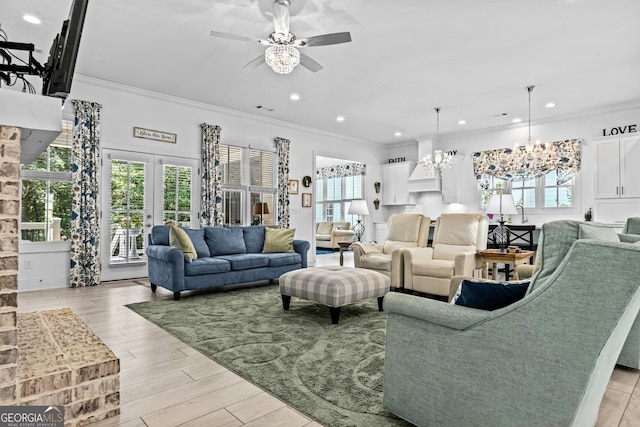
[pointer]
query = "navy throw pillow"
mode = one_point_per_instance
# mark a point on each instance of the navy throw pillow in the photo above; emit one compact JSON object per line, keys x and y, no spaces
{"x":490,"y":296}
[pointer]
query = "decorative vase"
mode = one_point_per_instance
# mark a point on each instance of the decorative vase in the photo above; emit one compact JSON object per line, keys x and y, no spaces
{"x":376,"y":203}
{"x":377,"y":187}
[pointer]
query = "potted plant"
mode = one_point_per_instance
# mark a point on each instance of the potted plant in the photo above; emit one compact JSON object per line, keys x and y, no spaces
{"x":376,"y":203}
{"x":376,"y":185}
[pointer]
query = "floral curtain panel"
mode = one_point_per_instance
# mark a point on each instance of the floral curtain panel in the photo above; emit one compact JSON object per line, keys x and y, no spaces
{"x":211,"y":211}
{"x":85,"y":212}
{"x":348,"y":169}
{"x":521,"y":164}
{"x":282,"y":148}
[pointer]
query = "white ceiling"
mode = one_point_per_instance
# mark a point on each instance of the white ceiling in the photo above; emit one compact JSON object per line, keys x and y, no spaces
{"x":471,"y":58}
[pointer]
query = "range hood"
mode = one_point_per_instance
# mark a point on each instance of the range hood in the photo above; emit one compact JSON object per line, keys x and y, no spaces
{"x":38,"y":117}
{"x":419,"y":180}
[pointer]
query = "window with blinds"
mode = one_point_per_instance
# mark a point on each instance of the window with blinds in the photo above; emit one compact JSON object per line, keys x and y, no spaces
{"x":249,"y":185}
{"x":334,"y":196}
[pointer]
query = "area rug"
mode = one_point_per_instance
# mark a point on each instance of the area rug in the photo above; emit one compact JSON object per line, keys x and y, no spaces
{"x":324,"y":251}
{"x":331,"y":373}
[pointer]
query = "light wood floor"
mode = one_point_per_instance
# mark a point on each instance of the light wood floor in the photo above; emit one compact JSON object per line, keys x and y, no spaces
{"x":166,"y":383}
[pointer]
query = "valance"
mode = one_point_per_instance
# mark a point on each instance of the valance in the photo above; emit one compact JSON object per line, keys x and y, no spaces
{"x":524,"y":163}
{"x":339,"y":171}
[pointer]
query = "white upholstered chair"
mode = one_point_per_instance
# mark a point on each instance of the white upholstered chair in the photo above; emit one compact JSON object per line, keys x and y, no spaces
{"x":456,"y":238}
{"x":403,"y":231}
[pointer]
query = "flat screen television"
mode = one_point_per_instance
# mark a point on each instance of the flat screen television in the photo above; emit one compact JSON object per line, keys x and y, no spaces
{"x":61,"y":64}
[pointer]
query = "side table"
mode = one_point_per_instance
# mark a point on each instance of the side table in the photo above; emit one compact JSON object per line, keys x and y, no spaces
{"x":343,"y":246}
{"x":494,"y":256}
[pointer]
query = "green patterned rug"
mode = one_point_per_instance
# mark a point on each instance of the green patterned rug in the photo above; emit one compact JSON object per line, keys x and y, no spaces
{"x":331,"y":373}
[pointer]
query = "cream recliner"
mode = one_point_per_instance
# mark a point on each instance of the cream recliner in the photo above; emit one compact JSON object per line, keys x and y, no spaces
{"x":403,"y":231}
{"x":456,"y":238}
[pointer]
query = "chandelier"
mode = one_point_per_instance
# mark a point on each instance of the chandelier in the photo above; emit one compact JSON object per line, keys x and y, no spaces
{"x":441,"y":160}
{"x":282,"y":58}
{"x":533,"y":156}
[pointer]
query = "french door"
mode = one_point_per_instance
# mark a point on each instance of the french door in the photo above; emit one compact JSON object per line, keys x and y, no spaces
{"x":140,"y":190}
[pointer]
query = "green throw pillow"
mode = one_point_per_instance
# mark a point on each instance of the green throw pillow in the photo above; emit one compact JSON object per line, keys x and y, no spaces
{"x":180,"y":239}
{"x":278,"y":240}
{"x":598,"y":232}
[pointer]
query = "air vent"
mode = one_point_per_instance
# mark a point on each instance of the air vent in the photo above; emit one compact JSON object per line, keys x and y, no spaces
{"x":262,"y":107}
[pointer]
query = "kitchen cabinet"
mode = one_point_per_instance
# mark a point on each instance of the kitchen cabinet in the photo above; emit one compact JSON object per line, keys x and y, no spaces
{"x":395,"y":179}
{"x":380,"y":232}
{"x":617,"y":168}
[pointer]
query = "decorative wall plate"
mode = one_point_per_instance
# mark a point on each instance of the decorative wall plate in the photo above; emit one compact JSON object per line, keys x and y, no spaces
{"x":306,"y":181}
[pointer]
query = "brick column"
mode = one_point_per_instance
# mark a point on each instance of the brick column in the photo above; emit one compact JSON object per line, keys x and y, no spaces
{"x":9,"y":216}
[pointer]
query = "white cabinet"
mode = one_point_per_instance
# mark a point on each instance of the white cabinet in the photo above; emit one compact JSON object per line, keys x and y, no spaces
{"x":617,"y":168}
{"x":395,"y":179}
{"x":380,"y":232}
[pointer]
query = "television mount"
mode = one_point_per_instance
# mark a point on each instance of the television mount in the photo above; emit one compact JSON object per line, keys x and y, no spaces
{"x":32,"y":67}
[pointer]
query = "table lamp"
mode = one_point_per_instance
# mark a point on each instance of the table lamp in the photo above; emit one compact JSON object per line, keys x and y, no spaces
{"x":358,"y":207}
{"x":501,"y":204}
{"x":260,"y":208}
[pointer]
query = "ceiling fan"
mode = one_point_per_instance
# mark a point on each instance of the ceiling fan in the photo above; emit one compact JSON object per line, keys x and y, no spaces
{"x":282,"y":53}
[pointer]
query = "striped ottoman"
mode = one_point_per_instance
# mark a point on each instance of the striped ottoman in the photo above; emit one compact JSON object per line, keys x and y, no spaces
{"x":333,"y":286}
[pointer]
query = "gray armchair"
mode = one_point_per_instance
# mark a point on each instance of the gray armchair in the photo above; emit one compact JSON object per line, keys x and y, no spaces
{"x":632,"y":226}
{"x":544,"y":360}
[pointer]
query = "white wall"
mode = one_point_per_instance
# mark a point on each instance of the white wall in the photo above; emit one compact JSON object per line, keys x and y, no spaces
{"x":124,"y":108}
{"x":588,"y":127}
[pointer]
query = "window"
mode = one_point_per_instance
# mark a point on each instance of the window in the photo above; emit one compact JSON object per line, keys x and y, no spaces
{"x":334,"y":196}
{"x":536,"y":194}
{"x":248,"y":182}
{"x":557,"y":196}
{"x":176,"y":194}
{"x":46,"y":192}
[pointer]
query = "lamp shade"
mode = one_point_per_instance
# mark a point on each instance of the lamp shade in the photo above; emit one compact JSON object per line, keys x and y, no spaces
{"x":358,"y":207}
{"x":260,"y":208}
{"x":502,"y":204}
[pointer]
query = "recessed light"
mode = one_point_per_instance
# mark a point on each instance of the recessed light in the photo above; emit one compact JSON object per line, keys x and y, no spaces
{"x":340,"y":118}
{"x":462,"y":122}
{"x":550,"y":104}
{"x":516,"y":120}
{"x":398,"y":134}
{"x":294,"y":97}
{"x":31,"y":19}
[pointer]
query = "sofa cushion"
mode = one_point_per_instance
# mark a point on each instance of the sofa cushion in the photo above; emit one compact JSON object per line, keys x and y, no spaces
{"x":207,"y":266}
{"x":276,"y":240}
{"x":323,"y":237}
{"x":280,"y":259}
{"x":197,"y":238}
{"x":489,"y":295}
{"x":246,"y":261}
{"x":225,"y":240}
{"x":160,"y":235}
{"x":180,"y":239}
{"x":598,"y":232}
{"x":253,"y":238}
{"x":324,"y":227}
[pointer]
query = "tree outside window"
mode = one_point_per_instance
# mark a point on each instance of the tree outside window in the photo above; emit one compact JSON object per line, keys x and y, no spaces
{"x":46,"y":192}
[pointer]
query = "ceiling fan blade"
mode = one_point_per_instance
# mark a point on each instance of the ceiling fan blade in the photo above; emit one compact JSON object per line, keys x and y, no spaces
{"x":237,"y":37}
{"x":310,"y":64}
{"x":324,"y":40}
{"x":256,"y":62}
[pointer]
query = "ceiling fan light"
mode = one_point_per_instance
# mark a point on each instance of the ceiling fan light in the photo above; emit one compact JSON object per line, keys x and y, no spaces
{"x":282,"y":58}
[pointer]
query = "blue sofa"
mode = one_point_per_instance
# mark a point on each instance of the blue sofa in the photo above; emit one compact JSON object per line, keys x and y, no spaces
{"x":226,"y":255}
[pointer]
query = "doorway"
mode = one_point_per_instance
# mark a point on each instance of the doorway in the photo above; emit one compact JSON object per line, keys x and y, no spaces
{"x":138,"y":191}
